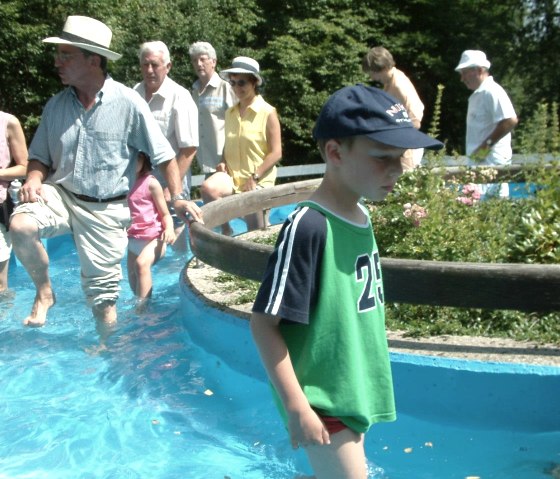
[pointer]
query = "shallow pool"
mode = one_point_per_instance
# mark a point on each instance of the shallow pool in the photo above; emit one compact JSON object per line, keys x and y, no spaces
{"x":180,"y":394}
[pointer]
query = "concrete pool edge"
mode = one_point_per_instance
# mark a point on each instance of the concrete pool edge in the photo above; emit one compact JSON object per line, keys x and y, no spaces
{"x":201,"y":279}
{"x":478,"y":393}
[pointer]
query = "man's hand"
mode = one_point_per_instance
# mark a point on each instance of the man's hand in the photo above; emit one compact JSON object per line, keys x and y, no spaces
{"x":31,"y":191}
{"x":188,"y":211}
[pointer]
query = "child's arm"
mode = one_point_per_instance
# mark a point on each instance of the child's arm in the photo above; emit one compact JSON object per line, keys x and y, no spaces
{"x":304,"y":425}
{"x":168,"y":233}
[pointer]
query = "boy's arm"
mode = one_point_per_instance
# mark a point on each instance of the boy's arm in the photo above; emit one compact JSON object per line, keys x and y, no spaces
{"x":304,"y":426}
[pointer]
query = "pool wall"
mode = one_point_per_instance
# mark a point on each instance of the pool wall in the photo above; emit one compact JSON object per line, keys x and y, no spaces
{"x":486,"y":395}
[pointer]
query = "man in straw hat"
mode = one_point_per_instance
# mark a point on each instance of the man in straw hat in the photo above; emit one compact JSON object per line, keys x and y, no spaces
{"x":82,"y":162}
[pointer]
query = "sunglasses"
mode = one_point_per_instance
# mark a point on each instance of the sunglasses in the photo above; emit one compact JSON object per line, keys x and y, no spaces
{"x":240,"y":83}
{"x":64,"y":57}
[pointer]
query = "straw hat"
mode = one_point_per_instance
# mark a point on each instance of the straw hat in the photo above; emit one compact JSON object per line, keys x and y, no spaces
{"x":88,"y":34}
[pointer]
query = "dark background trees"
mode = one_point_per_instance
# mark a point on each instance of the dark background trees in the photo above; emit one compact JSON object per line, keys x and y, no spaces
{"x":307,"y":49}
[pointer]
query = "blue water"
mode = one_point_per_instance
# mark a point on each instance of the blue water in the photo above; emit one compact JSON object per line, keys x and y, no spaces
{"x":159,"y":405}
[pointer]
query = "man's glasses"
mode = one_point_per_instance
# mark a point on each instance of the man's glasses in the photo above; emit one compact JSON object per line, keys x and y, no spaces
{"x":240,"y":83}
{"x":63,"y":57}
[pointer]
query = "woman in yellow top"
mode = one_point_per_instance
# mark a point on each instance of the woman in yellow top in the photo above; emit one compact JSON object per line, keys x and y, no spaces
{"x":253,"y":142}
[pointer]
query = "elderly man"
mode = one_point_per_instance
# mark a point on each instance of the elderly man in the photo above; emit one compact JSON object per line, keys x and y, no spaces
{"x":490,"y":116}
{"x":82,"y":162}
{"x":171,"y":104}
{"x":214,"y":96}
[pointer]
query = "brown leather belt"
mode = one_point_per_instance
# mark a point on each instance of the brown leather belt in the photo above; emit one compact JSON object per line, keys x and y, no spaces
{"x":91,"y":199}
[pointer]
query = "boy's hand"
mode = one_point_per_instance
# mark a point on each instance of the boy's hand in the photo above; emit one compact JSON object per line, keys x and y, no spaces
{"x":306,"y":429}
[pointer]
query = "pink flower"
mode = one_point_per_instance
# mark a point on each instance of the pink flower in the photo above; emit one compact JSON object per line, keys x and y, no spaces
{"x":465,"y":200}
{"x":471,"y":192}
{"x":415,"y":213}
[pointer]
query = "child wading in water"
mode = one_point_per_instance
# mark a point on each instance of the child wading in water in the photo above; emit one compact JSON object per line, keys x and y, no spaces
{"x":318,"y":319}
{"x":151,"y":228}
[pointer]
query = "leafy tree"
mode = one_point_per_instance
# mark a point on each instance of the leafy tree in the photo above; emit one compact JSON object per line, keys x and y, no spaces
{"x":307,"y":49}
{"x":315,"y":48}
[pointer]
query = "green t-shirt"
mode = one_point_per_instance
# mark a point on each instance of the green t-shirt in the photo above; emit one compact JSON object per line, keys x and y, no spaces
{"x":324,"y":281}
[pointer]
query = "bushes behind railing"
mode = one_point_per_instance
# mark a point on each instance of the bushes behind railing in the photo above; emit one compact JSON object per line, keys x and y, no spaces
{"x":430,"y":296}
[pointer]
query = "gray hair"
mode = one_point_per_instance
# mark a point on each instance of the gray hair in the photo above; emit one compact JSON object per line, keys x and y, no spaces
{"x":202,"y":48}
{"x":154,"y":47}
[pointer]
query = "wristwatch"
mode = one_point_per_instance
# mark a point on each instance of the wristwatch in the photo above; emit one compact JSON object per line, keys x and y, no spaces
{"x":489,"y":143}
{"x":255,"y":176}
{"x":180,"y":196}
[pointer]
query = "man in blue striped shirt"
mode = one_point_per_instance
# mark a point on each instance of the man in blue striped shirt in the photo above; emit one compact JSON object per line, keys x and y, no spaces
{"x":82,"y":164}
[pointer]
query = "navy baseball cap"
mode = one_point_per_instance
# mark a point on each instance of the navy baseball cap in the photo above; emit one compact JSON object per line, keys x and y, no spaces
{"x":368,"y":111}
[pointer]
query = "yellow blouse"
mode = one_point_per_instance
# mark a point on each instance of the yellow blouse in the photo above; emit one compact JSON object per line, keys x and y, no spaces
{"x":246,"y":143}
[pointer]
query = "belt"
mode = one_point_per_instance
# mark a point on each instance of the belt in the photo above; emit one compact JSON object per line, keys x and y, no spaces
{"x":91,"y":199}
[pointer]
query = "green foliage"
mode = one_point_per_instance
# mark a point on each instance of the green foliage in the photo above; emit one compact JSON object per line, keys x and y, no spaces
{"x":243,"y":290}
{"x":306,"y":49}
{"x":541,"y":133}
{"x":536,"y":238}
{"x":424,"y":220}
{"x":315,"y":53}
{"x":420,"y":321}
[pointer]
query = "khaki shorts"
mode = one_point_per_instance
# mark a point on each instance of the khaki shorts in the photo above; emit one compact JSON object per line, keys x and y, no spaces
{"x":99,"y":232}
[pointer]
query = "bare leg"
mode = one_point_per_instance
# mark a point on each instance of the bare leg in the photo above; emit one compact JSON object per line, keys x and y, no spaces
{"x":219,"y":185}
{"x":256,"y":221}
{"x":106,"y":321}
{"x":343,"y":458}
{"x":180,"y":244}
{"x":227,"y":230}
{"x":4,"y":275}
{"x":150,"y":255}
{"x":132,"y":274}
{"x":30,"y":251}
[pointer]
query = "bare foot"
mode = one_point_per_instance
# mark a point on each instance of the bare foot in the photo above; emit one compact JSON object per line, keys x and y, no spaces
{"x":38,"y":316}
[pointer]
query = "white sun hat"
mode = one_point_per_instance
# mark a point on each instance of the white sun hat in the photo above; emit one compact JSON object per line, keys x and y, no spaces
{"x":472,"y":58}
{"x":86,"y":33}
{"x":243,"y":65}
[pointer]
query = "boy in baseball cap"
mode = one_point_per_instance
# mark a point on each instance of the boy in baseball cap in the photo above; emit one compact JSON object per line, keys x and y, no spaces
{"x":318,"y":319}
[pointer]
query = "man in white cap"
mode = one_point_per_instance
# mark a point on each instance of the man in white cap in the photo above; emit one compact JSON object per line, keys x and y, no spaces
{"x":82,"y":162}
{"x":490,"y":116}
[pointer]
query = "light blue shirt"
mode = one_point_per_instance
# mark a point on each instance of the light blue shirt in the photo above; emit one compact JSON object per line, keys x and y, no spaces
{"x":94,"y":152}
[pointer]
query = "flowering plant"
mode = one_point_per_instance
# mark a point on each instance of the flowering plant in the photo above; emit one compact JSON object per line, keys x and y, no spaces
{"x":471,"y":194}
{"x":425,"y":218}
